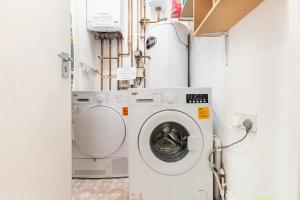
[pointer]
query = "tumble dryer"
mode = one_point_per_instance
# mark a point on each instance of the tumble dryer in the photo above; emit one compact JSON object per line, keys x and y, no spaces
{"x":100,"y":148}
{"x":170,"y":140}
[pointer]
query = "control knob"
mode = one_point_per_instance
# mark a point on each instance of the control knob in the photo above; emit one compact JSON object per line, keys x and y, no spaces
{"x":170,"y":98}
{"x":99,"y":98}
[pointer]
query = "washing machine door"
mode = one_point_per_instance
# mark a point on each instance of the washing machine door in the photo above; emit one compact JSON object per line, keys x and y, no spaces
{"x":170,"y":142}
{"x":100,"y":131}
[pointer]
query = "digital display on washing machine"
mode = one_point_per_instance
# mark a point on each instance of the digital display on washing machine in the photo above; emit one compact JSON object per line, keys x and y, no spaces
{"x":197,"y":98}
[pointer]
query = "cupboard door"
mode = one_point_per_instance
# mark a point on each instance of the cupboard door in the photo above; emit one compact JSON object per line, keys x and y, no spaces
{"x":35,"y":102}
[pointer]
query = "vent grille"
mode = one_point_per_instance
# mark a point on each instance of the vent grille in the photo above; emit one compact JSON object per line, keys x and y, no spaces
{"x":89,"y":172}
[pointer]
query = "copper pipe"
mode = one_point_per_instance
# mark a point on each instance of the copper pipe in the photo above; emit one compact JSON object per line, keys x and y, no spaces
{"x":145,"y":12}
{"x":144,"y":45}
{"x":144,"y":33}
{"x":144,"y":57}
{"x":118,"y":50}
{"x":144,"y":30}
{"x":129,"y":34}
{"x":141,"y":8}
{"x":110,"y":51}
{"x":119,"y":54}
{"x":124,"y":54}
{"x":144,"y":21}
{"x":141,"y":14}
{"x":101,"y":64}
{"x":158,"y":15}
{"x":138,"y":24}
{"x":131,"y":30}
{"x":118,"y":60}
{"x":108,"y":58}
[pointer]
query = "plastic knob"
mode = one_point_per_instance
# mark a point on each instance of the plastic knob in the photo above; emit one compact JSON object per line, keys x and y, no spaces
{"x":170,"y":98}
{"x":99,"y":98}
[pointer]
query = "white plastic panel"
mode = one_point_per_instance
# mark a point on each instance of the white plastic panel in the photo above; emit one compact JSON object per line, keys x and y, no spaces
{"x":99,"y":132}
{"x":104,"y":16}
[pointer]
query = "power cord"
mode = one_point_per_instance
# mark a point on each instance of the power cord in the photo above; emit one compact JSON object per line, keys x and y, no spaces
{"x":248,"y":124}
{"x":219,"y":174}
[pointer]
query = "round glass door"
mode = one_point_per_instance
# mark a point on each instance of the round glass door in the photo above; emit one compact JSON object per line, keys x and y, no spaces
{"x":170,"y":142}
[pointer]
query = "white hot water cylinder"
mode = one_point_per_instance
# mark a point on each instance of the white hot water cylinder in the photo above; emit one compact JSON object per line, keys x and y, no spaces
{"x":167,"y":46}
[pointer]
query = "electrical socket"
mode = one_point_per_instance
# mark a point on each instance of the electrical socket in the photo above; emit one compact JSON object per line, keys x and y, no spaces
{"x":239,"y":118}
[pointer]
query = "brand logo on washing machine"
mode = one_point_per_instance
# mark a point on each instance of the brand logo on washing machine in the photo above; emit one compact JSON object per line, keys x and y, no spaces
{"x":151,"y":41}
{"x":135,"y":93}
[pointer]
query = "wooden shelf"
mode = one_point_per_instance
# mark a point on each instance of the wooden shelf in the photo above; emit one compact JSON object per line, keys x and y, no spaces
{"x":187,"y":11}
{"x":221,"y":15}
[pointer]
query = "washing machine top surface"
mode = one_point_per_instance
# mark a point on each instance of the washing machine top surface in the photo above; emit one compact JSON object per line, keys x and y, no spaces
{"x":99,"y":127}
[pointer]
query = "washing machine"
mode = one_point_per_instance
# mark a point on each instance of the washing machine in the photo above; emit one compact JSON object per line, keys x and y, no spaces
{"x":100,"y":141}
{"x":170,"y":137}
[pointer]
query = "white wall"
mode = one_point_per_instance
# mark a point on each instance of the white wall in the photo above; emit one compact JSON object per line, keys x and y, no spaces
{"x":256,"y":82}
{"x":292,"y":111}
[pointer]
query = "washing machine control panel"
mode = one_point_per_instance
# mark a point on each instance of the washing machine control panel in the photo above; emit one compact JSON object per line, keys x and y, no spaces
{"x":99,"y":98}
{"x":197,"y":98}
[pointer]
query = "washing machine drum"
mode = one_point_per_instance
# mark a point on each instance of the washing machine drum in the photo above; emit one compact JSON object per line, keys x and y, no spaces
{"x":170,"y":142}
{"x":100,"y":131}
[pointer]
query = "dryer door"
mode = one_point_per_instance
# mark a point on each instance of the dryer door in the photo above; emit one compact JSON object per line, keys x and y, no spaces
{"x":100,"y":131}
{"x":170,"y":142}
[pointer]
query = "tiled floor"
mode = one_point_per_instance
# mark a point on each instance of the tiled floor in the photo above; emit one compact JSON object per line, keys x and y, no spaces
{"x":104,"y":189}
